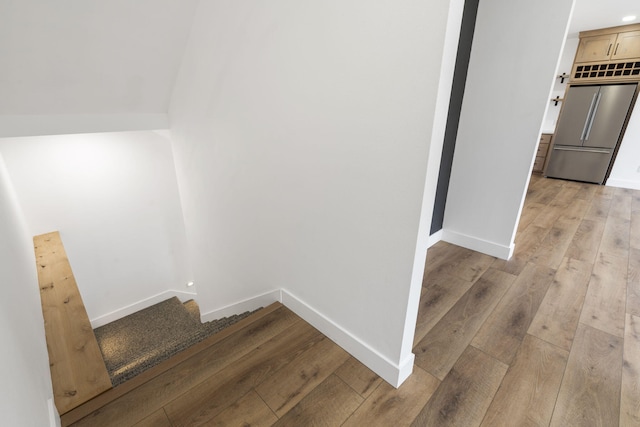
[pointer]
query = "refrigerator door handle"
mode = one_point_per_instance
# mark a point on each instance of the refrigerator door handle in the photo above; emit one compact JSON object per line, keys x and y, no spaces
{"x":589,"y":116}
{"x":582,"y":149}
{"x":593,"y":116}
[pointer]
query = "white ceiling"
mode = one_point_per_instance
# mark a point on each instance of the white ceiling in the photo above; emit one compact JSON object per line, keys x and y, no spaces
{"x":90,"y":56}
{"x":122,"y":56}
{"x":594,"y":14}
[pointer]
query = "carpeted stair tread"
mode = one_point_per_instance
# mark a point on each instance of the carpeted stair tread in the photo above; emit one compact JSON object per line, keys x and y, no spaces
{"x":193,"y":309}
{"x":143,"y":339}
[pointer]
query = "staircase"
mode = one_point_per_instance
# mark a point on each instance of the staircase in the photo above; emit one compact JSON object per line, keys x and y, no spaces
{"x":144,"y":339}
{"x":91,"y":368}
{"x":218,"y":362}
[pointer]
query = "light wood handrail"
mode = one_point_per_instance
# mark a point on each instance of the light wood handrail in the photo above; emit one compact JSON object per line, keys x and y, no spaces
{"x":78,"y":372}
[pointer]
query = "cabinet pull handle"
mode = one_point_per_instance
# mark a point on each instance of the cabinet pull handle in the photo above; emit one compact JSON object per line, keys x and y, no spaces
{"x":609,"y":50}
{"x":615,"y":52}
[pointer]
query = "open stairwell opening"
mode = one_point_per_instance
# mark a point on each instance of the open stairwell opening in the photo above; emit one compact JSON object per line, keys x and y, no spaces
{"x":90,"y":368}
{"x":144,"y":339}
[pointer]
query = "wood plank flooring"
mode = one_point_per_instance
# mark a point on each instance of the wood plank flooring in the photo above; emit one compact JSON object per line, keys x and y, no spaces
{"x":548,"y":338}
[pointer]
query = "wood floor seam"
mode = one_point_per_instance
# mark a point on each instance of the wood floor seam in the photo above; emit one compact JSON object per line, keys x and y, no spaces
{"x":204,"y":380}
{"x":555,"y":402}
{"x":265,"y":403}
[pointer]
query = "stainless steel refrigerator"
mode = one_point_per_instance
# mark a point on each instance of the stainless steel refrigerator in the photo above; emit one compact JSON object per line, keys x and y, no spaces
{"x":589,"y":130}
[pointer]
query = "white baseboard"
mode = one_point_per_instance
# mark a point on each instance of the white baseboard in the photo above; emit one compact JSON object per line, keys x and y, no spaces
{"x":623,"y":183}
{"x":434,"y":238}
{"x":249,"y":304}
{"x":479,"y":245}
{"x":54,"y":418}
{"x":140,"y":305}
{"x":393,"y":373}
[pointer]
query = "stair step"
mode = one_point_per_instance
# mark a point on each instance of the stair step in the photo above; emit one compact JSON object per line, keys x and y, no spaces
{"x":143,"y":339}
{"x":193,"y":308}
{"x":138,"y":342}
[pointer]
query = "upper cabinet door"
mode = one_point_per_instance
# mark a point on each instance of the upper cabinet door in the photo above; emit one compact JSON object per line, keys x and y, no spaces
{"x":627,"y":46}
{"x":596,"y":48}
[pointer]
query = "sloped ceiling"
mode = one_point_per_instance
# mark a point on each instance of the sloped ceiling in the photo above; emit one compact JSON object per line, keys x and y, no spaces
{"x":62,"y":57}
{"x":87,"y":57}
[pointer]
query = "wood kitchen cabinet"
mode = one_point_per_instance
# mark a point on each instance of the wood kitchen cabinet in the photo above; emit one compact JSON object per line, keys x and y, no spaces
{"x":613,"y":44}
{"x":541,"y":154}
{"x":608,"y":54}
{"x":627,"y":46}
{"x":596,"y":48}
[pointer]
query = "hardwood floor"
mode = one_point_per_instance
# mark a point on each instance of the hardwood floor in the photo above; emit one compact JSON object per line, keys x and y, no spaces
{"x":548,"y":338}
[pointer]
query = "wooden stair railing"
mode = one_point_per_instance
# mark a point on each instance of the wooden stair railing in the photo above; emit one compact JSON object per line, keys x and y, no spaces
{"x":78,"y":372}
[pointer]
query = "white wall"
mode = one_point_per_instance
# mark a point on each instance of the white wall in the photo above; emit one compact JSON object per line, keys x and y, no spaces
{"x":114,"y":199}
{"x":456,"y":9}
{"x":564,"y":66}
{"x":24,"y":363}
{"x":512,"y":68}
{"x":301,"y":137}
{"x":626,"y":169}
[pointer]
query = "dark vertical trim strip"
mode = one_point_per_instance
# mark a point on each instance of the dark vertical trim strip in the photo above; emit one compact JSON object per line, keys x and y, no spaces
{"x":455,"y":106}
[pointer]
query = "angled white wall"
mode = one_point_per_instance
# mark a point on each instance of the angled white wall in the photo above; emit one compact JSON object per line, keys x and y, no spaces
{"x":114,"y":199}
{"x":24,"y":362}
{"x":626,"y":169}
{"x":559,"y":87}
{"x":514,"y":57}
{"x":301,"y":136}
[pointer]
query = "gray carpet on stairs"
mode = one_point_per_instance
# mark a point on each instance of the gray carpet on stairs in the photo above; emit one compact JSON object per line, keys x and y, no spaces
{"x":141,"y":340}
